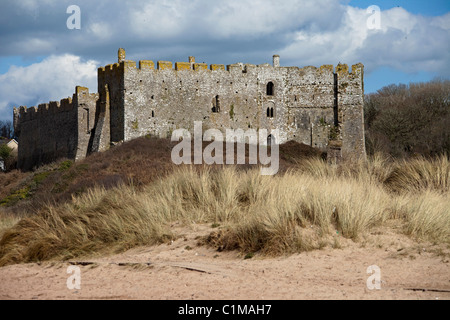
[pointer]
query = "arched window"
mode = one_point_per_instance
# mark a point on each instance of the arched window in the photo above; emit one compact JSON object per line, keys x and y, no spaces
{"x":270,"y":112}
{"x":270,"y":87}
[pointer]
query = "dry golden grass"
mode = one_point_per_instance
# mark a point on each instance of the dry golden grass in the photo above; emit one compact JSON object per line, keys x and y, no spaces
{"x":303,"y":209}
{"x":420,"y":174}
{"x":7,"y":221}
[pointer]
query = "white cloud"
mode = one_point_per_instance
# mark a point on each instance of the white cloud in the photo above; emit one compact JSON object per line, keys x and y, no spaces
{"x":232,"y":18}
{"x":33,"y":45}
{"x":302,"y":31}
{"x":405,"y":41}
{"x":50,"y":80}
{"x":101,"y":30}
{"x":32,"y":7}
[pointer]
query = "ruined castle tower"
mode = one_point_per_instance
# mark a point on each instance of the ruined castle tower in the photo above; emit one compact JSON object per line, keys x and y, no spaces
{"x":321,"y":107}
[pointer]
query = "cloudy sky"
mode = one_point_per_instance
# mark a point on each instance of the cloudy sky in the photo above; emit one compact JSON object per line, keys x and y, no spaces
{"x":41,"y":59}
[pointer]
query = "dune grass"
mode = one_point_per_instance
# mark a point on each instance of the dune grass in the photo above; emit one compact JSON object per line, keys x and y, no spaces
{"x":419,"y":174}
{"x":302,"y":209}
{"x":7,"y":221}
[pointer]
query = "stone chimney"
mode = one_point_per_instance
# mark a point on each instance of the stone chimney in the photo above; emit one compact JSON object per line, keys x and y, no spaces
{"x":276,"y":61}
{"x":192,"y":62}
{"x":121,"y":55}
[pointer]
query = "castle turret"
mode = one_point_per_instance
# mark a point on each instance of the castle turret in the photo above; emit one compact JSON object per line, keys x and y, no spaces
{"x":16,"y":122}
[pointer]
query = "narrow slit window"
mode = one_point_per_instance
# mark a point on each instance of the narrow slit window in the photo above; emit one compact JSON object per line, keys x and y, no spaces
{"x":87,"y":120}
{"x":216,"y":105}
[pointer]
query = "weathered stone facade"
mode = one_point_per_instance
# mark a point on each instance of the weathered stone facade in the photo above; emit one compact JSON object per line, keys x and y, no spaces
{"x":321,"y":107}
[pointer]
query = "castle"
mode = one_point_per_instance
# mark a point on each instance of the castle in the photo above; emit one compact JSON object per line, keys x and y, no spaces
{"x":321,"y":107}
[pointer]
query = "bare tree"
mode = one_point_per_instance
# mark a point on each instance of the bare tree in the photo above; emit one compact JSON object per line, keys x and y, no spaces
{"x":405,"y":120}
{"x":6,"y":129}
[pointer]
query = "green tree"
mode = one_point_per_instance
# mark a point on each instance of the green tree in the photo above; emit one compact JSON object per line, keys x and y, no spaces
{"x":5,"y":152}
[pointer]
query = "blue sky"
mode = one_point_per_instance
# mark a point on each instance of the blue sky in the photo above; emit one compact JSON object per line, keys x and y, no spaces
{"x":423,"y":7}
{"x":42,"y":60}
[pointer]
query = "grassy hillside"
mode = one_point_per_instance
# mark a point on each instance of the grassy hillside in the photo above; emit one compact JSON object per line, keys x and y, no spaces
{"x":138,"y":163}
{"x":132,"y":195}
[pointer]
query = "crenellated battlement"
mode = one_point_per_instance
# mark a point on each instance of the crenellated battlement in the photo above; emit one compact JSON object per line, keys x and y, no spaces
{"x":217,"y":67}
{"x":44,"y":109}
{"x":183,"y":66}
{"x":53,"y":107}
{"x":342,"y":70}
{"x":146,"y":65}
{"x":161,"y":65}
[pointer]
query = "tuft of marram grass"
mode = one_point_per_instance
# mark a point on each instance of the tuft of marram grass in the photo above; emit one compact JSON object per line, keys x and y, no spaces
{"x":7,"y":221}
{"x":420,"y":174}
{"x":426,"y":215}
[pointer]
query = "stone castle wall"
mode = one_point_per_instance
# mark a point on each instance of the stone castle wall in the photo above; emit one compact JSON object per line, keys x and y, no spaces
{"x":55,"y":130}
{"x":310,"y":105}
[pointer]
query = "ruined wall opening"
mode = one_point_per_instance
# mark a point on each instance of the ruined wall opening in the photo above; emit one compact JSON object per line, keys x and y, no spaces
{"x":270,"y":87}
{"x":271,"y":140}
{"x":216,"y":104}
{"x":335,"y":101}
{"x":88,"y":129}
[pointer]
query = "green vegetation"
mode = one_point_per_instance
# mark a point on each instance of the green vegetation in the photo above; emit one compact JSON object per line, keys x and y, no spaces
{"x":15,"y":197}
{"x":135,"y":125}
{"x":5,"y":152}
{"x":65,"y":165}
{"x":70,"y":176}
{"x":334,"y":133}
{"x":24,"y":192}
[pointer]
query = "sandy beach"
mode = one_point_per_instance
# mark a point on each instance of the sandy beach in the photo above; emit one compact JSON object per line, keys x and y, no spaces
{"x":184,"y":271}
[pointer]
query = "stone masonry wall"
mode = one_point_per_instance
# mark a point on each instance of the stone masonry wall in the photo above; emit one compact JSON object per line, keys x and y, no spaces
{"x":55,"y":130}
{"x":159,"y":100}
{"x":351,"y":111}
